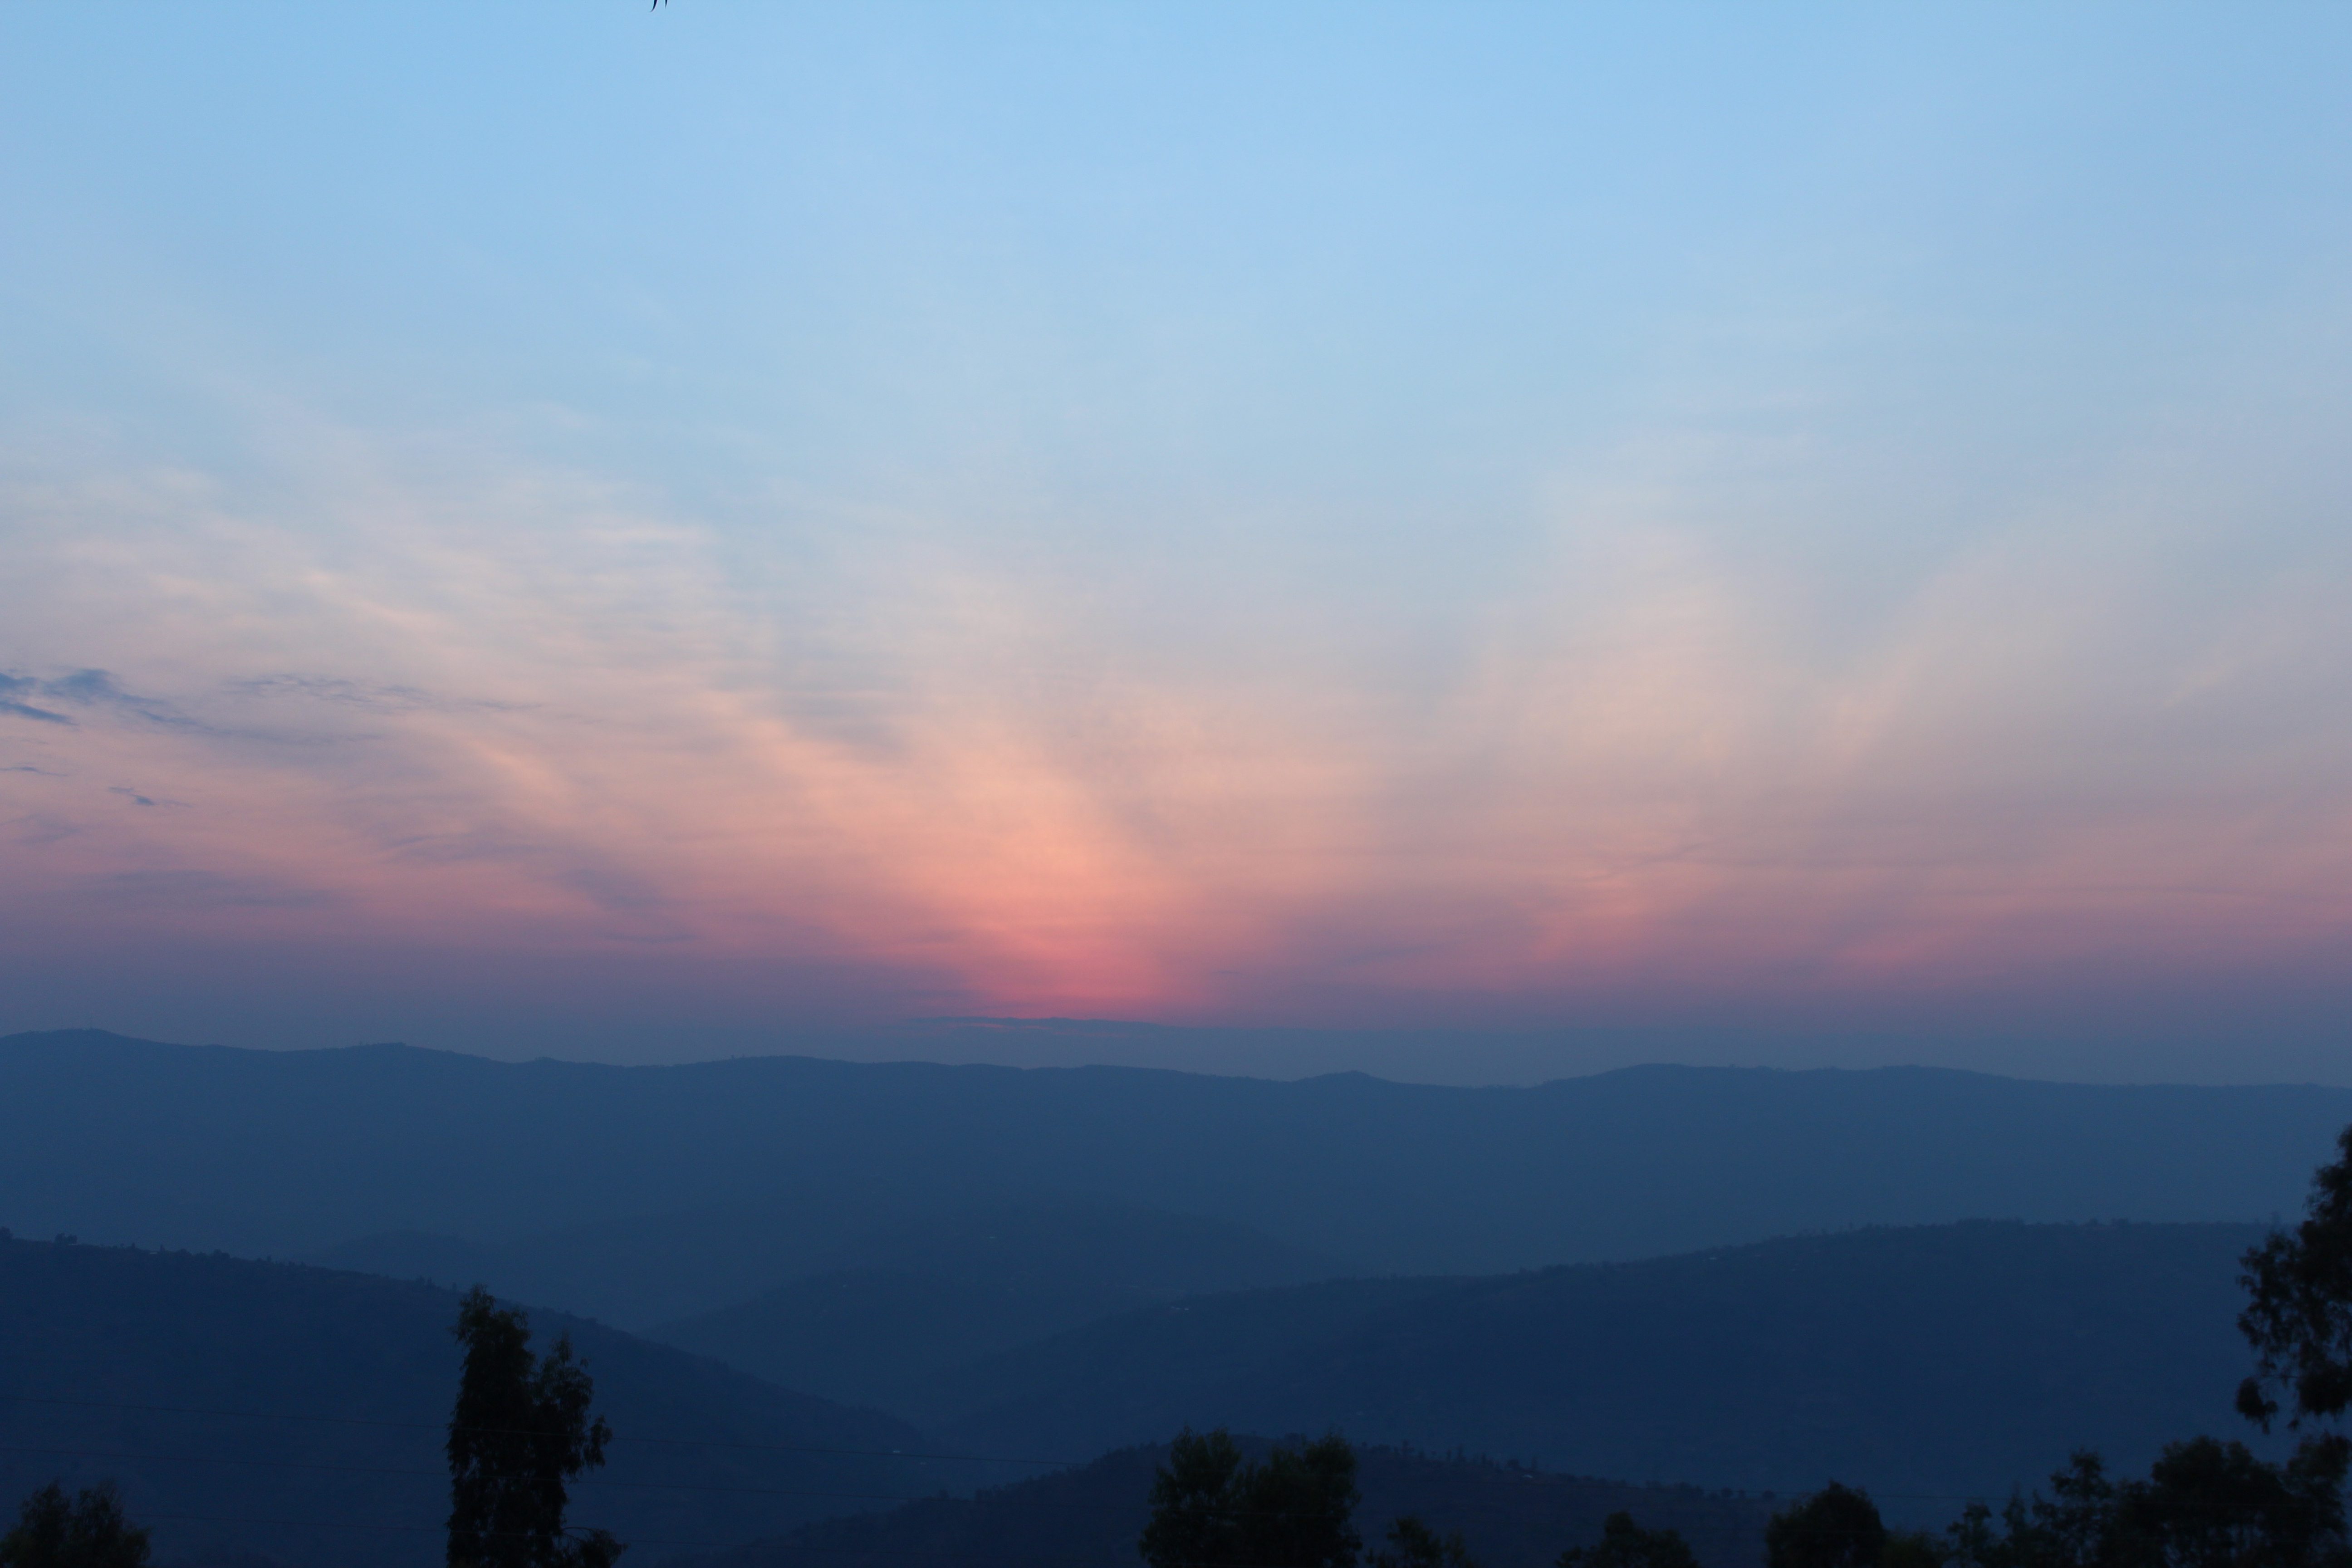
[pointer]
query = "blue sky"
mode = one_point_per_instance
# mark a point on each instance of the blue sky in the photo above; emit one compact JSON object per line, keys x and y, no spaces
{"x":1809,"y":519}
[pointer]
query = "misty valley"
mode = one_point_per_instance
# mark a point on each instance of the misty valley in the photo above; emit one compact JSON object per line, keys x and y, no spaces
{"x":893,"y":1314}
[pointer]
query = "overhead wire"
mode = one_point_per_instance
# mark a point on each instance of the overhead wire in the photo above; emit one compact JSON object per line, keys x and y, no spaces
{"x":1688,"y":1505}
{"x":995,"y":1501}
{"x":1686,"y":1502}
{"x":1522,"y":1478}
{"x":894,"y":1552}
{"x":512,"y":1432}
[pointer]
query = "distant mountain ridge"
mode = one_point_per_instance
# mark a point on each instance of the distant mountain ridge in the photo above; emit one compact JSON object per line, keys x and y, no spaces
{"x":646,"y":1194}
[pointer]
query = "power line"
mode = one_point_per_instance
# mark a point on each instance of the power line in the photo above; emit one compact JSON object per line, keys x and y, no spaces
{"x":440,"y":1475}
{"x":1526,"y":1477}
{"x":794,"y":1546}
{"x":594,"y":1481}
{"x":657,"y":1540}
{"x":511,"y":1432}
{"x":1685,"y":1501}
{"x":359,"y":1524}
{"x":1683,"y":1507}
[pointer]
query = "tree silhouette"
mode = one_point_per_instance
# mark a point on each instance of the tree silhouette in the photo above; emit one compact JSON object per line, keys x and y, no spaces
{"x":1413,"y":1544}
{"x":1625,"y":1544}
{"x":1211,"y":1508}
{"x":2299,"y":1314}
{"x":1837,"y":1527}
{"x":2207,"y":1501}
{"x":86,"y":1531}
{"x":1191,"y":1522}
{"x":2205,"y":1504}
{"x":518,"y":1432}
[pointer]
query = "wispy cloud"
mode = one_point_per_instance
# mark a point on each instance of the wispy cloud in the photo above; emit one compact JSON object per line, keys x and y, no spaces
{"x":138,"y":799}
{"x":89,"y":689}
{"x":1637,"y":771}
{"x":197,"y":891}
{"x":368,"y":697}
{"x":38,"y":828}
{"x":13,"y":685}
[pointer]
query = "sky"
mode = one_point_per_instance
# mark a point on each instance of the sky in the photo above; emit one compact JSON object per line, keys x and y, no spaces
{"x":1798,"y":535}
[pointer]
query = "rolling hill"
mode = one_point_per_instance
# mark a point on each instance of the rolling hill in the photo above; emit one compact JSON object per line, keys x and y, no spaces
{"x":650,"y":1194}
{"x":903,"y":1306}
{"x":297,"y":1414}
{"x":1927,"y":1362}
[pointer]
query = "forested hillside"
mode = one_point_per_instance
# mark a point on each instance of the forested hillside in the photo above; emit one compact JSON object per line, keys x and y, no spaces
{"x":298,"y":1413}
{"x":1931,"y":1361}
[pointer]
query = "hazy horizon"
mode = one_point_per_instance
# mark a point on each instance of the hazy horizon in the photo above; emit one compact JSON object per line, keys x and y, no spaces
{"x":1444,"y":1058}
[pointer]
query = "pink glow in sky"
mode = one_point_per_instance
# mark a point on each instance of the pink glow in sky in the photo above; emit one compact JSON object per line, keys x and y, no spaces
{"x":958,"y":529}
{"x":1639,"y":783}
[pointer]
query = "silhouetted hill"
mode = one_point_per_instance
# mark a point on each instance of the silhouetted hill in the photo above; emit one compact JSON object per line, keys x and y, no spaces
{"x":1090,"y":1518}
{"x":906,"y":1304}
{"x":1948,"y":1359}
{"x":121,"y":1362}
{"x":651,"y":1194}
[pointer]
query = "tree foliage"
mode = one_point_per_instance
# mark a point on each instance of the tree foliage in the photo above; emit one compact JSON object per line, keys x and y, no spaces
{"x":2211,"y":1504}
{"x":1837,"y":1527}
{"x":1913,"y":1549}
{"x":1191,"y":1522}
{"x":520,"y":1433}
{"x":1413,"y":1544}
{"x":2206,"y":1503}
{"x":2299,"y":1317}
{"x":1212,"y":1509}
{"x":88,"y":1530}
{"x":1625,"y":1544}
